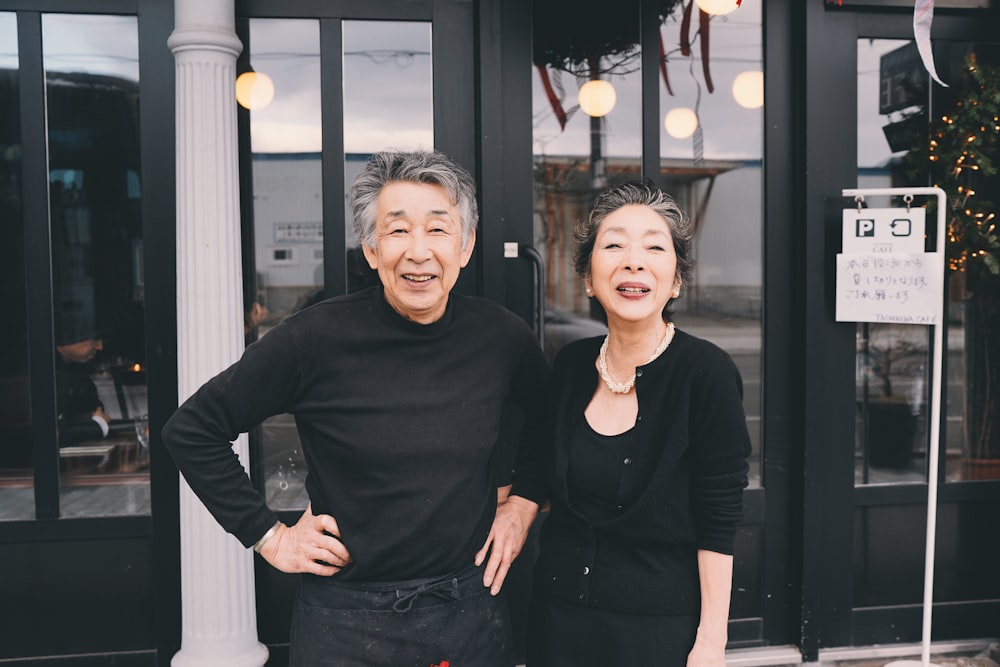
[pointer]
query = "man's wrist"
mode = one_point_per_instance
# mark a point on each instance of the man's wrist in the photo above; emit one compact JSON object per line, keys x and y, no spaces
{"x":259,"y":544}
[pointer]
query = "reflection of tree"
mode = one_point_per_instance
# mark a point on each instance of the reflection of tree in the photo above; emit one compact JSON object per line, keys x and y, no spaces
{"x":892,"y":356}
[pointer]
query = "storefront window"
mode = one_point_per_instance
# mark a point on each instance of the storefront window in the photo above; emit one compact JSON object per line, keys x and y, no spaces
{"x":710,"y":161}
{"x":384,"y":62}
{"x":900,"y":116}
{"x":286,"y":141}
{"x":387,"y":104}
{"x":92,"y":76}
{"x":16,"y":480}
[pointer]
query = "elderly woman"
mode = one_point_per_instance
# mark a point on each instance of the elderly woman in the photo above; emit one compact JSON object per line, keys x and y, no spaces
{"x":647,"y":462}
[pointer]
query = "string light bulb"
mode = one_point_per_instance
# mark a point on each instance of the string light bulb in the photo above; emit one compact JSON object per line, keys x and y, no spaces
{"x":254,"y":90}
{"x":597,"y":98}
{"x":681,"y":122}
{"x":718,"y":7}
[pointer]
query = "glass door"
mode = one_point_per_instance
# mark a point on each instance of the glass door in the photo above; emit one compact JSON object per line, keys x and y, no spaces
{"x":675,"y":96}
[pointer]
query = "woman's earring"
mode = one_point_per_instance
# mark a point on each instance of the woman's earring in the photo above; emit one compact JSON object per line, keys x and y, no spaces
{"x":590,"y":292}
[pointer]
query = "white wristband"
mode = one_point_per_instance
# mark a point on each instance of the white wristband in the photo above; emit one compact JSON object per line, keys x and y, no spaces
{"x":259,"y":544}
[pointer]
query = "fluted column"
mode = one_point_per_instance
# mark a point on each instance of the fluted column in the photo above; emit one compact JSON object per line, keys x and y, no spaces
{"x":219,"y":624}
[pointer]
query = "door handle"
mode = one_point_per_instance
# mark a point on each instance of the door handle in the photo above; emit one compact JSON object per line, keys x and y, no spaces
{"x":513,"y":250}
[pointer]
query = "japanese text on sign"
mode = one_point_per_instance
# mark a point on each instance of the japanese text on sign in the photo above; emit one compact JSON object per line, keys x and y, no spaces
{"x":904,"y":288}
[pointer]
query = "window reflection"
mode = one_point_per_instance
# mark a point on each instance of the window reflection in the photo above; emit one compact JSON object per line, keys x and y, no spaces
{"x":286,"y":139}
{"x":387,"y":104}
{"x":16,"y":481}
{"x":895,"y":104}
{"x":714,"y":171}
{"x":384,"y":62}
{"x":91,"y":67}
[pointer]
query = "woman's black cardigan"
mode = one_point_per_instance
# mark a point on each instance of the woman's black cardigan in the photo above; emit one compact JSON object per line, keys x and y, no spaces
{"x":692,"y":428}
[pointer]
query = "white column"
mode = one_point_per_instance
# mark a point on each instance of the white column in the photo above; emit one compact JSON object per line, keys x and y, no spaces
{"x":219,"y":624}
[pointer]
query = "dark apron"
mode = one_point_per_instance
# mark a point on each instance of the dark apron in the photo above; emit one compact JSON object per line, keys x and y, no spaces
{"x":448,"y":621}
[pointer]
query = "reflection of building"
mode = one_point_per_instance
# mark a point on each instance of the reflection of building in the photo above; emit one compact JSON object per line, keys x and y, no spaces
{"x":289,"y":252}
{"x":721,"y":199}
{"x":824,"y":561}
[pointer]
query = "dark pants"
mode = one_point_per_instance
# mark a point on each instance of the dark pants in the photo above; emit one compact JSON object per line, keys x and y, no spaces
{"x":563,"y":634}
{"x":419,"y":623}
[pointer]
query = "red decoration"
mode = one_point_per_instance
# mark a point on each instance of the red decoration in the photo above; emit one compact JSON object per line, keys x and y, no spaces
{"x":554,"y":101}
{"x":703,"y":19}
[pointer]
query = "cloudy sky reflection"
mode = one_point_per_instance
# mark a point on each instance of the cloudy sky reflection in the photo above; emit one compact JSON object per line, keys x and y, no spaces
{"x":388,"y":85}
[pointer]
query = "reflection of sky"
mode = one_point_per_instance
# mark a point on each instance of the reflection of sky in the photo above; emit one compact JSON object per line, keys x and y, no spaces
{"x":91,"y":43}
{"x":388,"y":95}
{"x":8,"y":40}
{"x":288,"y":52}
{"x":387,"y":85}
{"x":730,"y":131}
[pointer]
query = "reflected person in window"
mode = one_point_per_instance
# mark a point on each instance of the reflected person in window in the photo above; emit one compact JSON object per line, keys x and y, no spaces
{"x":398,"y":392}
{"x":81,"y":412}
{"x":646,"y":461}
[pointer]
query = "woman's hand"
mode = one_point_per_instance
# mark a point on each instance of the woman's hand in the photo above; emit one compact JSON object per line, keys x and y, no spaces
{"x":707,"y":654}
{"x":312,"y":545}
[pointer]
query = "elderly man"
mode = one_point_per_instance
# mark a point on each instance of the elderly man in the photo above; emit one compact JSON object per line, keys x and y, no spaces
{"x":397,"y":392}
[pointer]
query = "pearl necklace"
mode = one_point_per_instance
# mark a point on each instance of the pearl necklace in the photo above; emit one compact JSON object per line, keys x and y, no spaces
{"x":626,"y":387}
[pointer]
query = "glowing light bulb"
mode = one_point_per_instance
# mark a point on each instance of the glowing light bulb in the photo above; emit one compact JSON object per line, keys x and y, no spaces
{"x":718,"y":7}
{"x":748,"y":89}
{"x":597,"y":98}
{"x":254,"y":90}
{"x":681,"y":122}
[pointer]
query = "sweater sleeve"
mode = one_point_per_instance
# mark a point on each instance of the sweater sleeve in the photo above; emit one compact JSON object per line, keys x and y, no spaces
{"x":721,"y":447}
{"x":529,"y":391}
{"x":264,"y":382}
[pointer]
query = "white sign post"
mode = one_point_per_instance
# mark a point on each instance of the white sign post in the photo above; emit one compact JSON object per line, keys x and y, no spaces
{"x":884,"y":275}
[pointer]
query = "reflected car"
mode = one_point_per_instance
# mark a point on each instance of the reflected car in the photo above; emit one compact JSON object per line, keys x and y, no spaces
{"x":562,"y":327}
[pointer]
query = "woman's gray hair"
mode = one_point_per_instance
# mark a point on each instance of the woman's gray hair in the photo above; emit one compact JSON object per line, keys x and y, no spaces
{"x":432,"y":167}
{"x":640,"y":194}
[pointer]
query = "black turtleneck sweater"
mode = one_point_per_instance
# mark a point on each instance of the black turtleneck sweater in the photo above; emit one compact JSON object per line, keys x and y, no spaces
{"x":398,"y":423}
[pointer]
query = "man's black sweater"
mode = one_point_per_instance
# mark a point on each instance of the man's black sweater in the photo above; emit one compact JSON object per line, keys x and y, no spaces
{"x":398,"y":423}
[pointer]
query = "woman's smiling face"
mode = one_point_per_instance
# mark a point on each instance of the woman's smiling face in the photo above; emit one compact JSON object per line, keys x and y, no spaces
{"x":633,"y":269}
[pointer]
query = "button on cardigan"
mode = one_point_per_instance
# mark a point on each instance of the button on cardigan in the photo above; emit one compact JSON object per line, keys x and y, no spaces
{"x":692,"y":425}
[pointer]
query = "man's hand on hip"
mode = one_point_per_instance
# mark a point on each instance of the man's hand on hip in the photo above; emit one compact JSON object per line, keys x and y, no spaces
{"x":312,"y":545}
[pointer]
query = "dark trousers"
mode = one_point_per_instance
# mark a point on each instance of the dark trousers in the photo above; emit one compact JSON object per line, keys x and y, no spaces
{"x":449,"y":620}
{"x":564,"y":634}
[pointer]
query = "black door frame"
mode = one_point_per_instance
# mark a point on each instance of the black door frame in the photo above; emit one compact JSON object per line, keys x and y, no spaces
{"x":825,"y":150}
{"x":455,"y":132}
{"x":98,"y":548}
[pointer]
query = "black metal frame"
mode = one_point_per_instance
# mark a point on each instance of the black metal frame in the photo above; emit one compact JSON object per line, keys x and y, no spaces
{"x":808,"y":500}
{"x":825,"y":151}
{"x":78,"y":539}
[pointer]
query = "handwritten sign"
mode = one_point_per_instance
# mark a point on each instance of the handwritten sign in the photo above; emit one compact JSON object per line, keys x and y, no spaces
{"x":905,"y":288}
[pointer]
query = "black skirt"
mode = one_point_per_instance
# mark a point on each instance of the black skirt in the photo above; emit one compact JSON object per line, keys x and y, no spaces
{"x":563,"y":634}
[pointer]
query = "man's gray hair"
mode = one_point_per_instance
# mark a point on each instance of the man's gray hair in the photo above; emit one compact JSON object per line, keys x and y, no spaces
{"x":432,"y":167}
{"x":641,"y":194}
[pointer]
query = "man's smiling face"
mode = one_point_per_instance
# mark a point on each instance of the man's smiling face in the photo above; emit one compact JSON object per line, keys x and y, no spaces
{"x":418,"y":249}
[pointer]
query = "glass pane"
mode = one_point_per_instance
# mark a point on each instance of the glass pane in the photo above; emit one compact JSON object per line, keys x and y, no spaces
{"x":905,"y":125}
{"x":92,"y":76}
{"x":970,"y":117}
{"x":892,"y":359}
{"x":286,"y":139}
{"x":388,"y":103}
{"x":715,"y":175}
{"x":17,"y":498}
